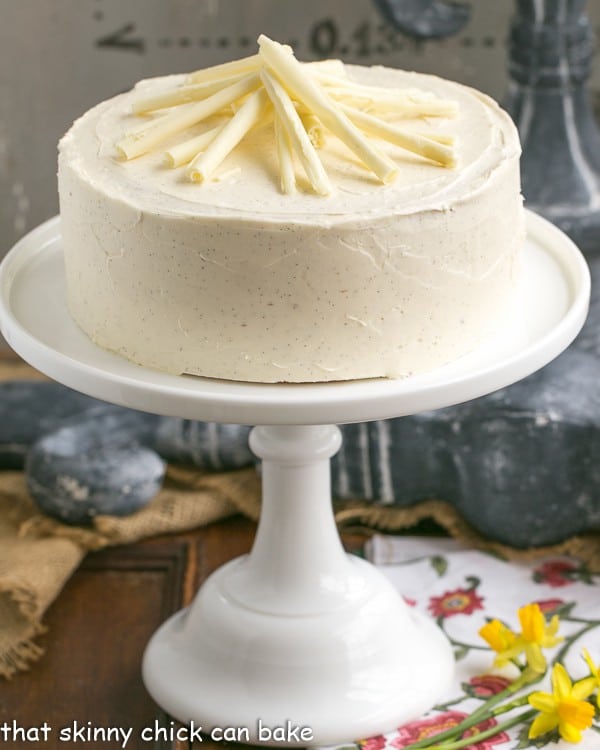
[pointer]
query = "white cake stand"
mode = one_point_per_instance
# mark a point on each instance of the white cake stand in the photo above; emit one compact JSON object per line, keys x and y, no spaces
{"x":297,"y":630}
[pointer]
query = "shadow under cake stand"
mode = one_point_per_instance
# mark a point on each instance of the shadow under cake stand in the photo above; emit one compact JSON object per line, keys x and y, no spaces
{"x":297,"y":630}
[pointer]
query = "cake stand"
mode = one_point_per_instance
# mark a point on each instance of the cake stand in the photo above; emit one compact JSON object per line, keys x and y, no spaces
{"x":297,"y":631}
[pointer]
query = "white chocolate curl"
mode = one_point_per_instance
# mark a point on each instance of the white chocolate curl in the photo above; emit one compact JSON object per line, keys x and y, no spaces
{"x":294,"y":128}
{"x":413,"y":142}
{"x":404,"y":103}
{"x":284,"y":156}
{"x":314,"y":128}
{"x":186,"y":151}
{"x":181,"y":95}
{"x":140,"y":143}
{"x":248,"y":115}
{"x":290,"y":74}
{"x":302,"y":102}
{"x":243,"y":67}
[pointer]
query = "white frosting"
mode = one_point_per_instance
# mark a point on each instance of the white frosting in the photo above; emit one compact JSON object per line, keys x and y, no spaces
{"x":232,"y":279}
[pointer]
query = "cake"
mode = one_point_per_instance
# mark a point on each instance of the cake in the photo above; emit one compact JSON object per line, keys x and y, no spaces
{"x":257,"y":270}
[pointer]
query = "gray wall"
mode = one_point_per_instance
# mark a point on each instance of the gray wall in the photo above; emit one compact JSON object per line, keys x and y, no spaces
{"x":59,"y":57}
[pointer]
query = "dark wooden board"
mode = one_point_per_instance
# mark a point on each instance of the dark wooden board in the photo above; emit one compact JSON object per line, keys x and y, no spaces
{"x":98,"y":629}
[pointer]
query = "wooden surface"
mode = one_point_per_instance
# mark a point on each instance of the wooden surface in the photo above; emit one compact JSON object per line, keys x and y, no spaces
{"x":97,"y":631}
{"x":98,"y":628}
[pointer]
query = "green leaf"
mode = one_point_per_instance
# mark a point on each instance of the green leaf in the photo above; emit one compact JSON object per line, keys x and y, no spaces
{"x":460,"y":653}
{"x":524,"y":742}
{"x":439,"y":564}
{"x":585,"y":576}
{"x":473,"y":582}
{"x":545,"y":739}
{"x":564,"y":610}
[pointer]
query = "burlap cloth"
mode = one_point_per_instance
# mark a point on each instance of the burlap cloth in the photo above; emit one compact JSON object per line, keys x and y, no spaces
{"x":38,"y":554}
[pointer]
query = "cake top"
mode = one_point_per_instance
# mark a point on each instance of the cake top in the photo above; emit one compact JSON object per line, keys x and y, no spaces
{"x":396,"y":143}
{"x":298,"y":103}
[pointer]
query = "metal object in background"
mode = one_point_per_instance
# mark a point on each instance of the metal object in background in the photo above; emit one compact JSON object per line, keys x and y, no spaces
{"x":551,"y":48}
{"x":428,"y":19}
{"x":530,"y":450}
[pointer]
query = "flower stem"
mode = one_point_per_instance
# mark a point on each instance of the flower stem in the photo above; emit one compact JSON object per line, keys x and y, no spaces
{"x":444,"y":706}
{"x":483,"y":712}
{"x":522,"y":701}
{"x":475,"y":738}
{"x":560,"y":656}
{"x":460,"y":644}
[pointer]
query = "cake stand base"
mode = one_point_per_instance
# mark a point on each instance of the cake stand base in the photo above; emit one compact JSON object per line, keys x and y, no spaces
{"x":298,"y":634}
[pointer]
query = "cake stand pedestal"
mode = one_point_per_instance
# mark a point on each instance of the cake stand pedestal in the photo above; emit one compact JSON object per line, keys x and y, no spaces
{"x":297,"y":631}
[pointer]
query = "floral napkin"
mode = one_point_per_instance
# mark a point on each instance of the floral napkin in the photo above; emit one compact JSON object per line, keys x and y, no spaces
{"x":463,"y":589}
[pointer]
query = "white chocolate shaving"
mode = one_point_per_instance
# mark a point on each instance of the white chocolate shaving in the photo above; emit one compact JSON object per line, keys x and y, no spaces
{"x":244,"y":66}
{"x":289,"y":72}
{"x":248,"y":115}
{"x":404,"y":106}
{"x":446,"y":140}
{"x":181,"y":95}
{"x":308,"y":99}
{"x":294,"y":128}
{"x":414,"y":142}
{"x":186,"y":151}
{"x":140,"y":143}
{"x":314,"y":128}
{"x":284,"y":156}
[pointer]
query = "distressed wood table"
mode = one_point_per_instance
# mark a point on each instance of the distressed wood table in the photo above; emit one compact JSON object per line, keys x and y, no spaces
{"x":98,"y":629}
{"x":99,"y":626}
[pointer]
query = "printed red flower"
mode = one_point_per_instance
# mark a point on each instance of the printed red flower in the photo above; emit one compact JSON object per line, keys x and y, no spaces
{"x":550,"y":606}
{"x":373,"y":743}
{"x":555,"y":573}
{"x":409,"y":601}
{"x":486,"y":685}
{"x":420,"y":730}
{"x":457,"y":602}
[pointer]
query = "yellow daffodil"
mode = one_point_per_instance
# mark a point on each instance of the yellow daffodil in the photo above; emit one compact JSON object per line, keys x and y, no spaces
{"x":535,"y":635}
{"x":593,"y":681}
{"x":564,"y":708}
{"x":502,"y":640}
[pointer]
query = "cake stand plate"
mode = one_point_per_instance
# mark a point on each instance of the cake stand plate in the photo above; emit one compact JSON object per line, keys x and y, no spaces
{"x":547,"y":314}
{"x":297,"y":634}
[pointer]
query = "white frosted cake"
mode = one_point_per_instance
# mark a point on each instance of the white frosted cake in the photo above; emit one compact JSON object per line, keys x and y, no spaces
{"x":229,"y":275}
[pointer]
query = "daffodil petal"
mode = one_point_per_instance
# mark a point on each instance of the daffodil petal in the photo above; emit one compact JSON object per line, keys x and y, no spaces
{"x":552,"y":628}
{"x":497,"y":635}
{"x":533,"y":624}
{"x":582,"y":689}
{"x":508,"y":654}
{"x":542,"y":724}
{"x":585,"y":654}
{"x":535,"y":658}
{"x":543,"y":702}
{"x":576,"y":713}
{"x":590,"y":662}
{"x":568,"y":732}
{"x":551,"y":641}
{"x":561,"y":682}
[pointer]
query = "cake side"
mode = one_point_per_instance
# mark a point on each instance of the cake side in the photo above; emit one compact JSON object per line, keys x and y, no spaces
{"x":237,"y":281}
